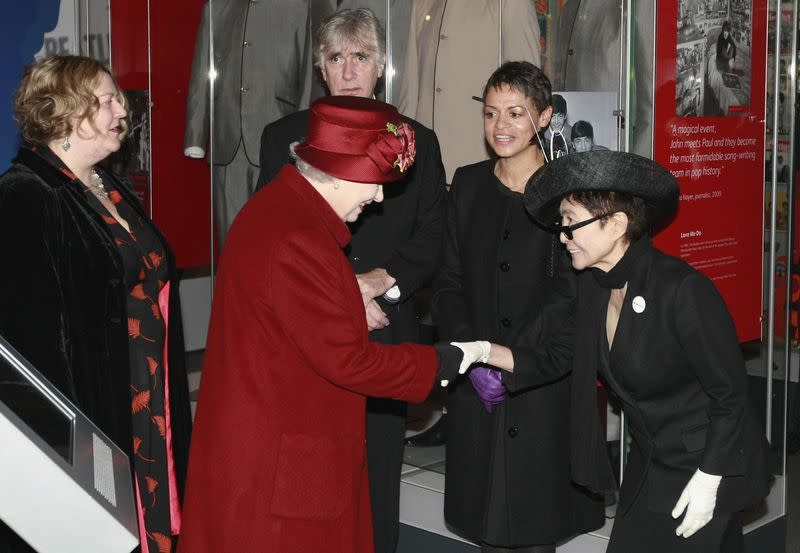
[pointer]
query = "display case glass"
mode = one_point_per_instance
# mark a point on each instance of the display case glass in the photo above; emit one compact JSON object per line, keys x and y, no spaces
{"x":619,"y":65}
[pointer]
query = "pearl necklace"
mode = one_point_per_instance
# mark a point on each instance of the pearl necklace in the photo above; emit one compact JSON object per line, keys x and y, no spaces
{"x":96,"y":185}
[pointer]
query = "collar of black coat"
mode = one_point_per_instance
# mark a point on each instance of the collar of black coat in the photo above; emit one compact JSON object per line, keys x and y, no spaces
{"x":54,"y":172}
{"x":625,"y":267}
{"x":46,"y":164}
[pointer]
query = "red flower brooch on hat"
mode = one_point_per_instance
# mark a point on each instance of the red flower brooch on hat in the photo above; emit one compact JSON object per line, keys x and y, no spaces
{"x":408,"y":146}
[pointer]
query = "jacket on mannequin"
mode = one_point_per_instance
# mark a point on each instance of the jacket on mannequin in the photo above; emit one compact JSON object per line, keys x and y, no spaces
{"x":587,"y":54}
{"x":262,"y":56}
{"x":452,"y":49}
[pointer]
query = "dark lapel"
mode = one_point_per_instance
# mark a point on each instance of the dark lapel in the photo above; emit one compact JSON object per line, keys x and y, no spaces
{"x":631,"y":328}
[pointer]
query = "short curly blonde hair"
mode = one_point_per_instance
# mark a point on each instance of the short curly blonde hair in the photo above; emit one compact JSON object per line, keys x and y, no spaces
{"x":57,"y":90}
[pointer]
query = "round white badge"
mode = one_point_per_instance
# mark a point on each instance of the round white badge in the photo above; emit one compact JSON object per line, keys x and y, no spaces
{"x":638,"y":304}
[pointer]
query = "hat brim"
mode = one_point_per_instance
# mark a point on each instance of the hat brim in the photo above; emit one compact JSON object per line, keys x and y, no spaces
{"x":602,"y":170}
{"x":354,"y":168}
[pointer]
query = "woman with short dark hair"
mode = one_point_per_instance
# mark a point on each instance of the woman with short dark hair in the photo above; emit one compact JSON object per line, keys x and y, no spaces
{"x":508,"y":483}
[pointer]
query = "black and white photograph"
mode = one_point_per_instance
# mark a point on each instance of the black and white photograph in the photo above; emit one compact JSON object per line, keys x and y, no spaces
{"x":581,"y":122}
{"x":713,"y":75}
{"x":133,"y":159}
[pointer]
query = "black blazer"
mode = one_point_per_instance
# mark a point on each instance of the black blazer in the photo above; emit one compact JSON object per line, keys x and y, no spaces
{"x":679,"y":371}
{"x":402,"y":234}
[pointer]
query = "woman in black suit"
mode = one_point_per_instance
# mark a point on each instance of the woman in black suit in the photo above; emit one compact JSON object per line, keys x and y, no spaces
{"x":660,"y":335}
{"x":508,"y":482}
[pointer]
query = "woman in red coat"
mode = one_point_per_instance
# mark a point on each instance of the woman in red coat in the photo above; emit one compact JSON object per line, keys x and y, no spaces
{"x":277,"y":460}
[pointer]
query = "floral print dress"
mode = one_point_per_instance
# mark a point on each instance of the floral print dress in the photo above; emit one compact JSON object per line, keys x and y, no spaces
{"x":145,"y":275}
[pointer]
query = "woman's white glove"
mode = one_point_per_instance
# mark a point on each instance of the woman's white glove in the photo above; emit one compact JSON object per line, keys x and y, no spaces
{"x":474,"y":352}
{"x":699,"y":498}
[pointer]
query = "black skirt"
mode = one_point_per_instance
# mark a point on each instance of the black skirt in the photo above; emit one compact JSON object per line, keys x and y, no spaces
{"x":640,"y":529}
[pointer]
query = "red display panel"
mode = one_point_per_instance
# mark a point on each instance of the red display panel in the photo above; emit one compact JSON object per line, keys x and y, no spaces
{"x":709,"y":131}
{"x":160,"y":73}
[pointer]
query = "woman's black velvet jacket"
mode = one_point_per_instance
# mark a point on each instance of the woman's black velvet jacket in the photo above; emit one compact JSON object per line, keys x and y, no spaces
{"x":63,"y":298}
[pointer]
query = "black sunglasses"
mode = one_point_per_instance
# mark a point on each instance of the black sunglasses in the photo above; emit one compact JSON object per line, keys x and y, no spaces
{"x":569,"y":229}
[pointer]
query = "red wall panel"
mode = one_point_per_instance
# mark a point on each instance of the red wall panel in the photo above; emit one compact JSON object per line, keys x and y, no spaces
{"x":180,"y":186}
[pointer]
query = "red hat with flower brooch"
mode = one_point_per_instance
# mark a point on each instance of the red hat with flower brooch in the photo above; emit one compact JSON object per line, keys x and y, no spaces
{"x":358,"y":139}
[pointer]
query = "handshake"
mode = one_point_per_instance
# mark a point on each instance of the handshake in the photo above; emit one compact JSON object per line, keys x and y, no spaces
{"x":456,"y":358}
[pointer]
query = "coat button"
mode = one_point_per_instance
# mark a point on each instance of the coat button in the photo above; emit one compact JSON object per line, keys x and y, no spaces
{"x":244,"y":90}
{"x":442,"y":37}
{"x":505,"y":267}
{"x":506,"y":322}
{"x":513,"y":431}
{"x":506,"y":235}
{"x":438,"y":89}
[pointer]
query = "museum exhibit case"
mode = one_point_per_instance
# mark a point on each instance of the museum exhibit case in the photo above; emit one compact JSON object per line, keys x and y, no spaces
{"x":707,"y":89}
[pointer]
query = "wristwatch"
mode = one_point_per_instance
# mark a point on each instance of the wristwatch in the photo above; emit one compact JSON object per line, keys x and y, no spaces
{"x":392,"y":295}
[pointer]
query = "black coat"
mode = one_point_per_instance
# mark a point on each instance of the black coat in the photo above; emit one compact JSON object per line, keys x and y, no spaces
{"x":678,"y":369}
{"x":402,"y":234}
{"x":508,"y":480}
{"x":64,"y":301}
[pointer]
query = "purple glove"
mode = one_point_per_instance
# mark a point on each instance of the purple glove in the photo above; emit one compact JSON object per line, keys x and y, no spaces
{"x":489,"y":385}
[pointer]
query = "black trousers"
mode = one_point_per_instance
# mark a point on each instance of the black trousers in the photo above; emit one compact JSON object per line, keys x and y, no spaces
{"x":386,"y":426}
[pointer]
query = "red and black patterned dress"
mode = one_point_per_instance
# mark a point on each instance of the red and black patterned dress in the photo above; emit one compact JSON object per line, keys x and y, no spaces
{"x":145,"y":275}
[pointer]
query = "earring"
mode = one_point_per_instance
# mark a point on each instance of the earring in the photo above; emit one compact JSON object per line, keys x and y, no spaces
{"x":336,"y":186}
{"x":66,"y":145}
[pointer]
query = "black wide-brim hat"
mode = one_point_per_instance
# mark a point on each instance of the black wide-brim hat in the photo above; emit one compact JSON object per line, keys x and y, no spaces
{"x":601,"y":170}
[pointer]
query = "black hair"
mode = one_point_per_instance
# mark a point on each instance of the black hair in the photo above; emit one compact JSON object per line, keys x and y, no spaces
{"x":581,"y":129}
{"x":598,"y":202}
{"x":525,"y":78}
{"x":559,"y":104}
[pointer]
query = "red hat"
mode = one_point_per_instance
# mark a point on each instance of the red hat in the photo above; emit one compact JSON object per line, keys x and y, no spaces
{"x":358,"y":139}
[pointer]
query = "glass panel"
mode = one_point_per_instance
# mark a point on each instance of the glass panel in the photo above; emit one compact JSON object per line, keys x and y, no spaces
{"x":35,"y":408}
{"x":93,"y":28}
{"x":774,"y":369}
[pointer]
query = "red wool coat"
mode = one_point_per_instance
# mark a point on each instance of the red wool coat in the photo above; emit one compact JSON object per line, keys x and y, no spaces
{"x":277,"y":461}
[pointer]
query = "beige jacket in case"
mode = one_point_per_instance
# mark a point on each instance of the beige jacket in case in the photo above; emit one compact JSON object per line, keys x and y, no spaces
{"x":453,"y":48}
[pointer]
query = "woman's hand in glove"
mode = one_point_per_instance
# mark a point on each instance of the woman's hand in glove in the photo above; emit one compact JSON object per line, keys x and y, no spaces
{"x":699,"y":498}
{"x":456,"y":357}
{"x":488,"y":385}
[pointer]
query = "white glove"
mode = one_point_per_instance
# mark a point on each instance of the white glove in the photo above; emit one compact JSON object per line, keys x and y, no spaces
{"x":474,"y":352}
{"x":195,"y":152}
{"x":698,"y":499}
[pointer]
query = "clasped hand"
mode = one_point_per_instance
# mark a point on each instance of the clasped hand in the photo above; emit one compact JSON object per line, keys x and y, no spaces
{"x":471,"y":352}
{"x":373,"y":284}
